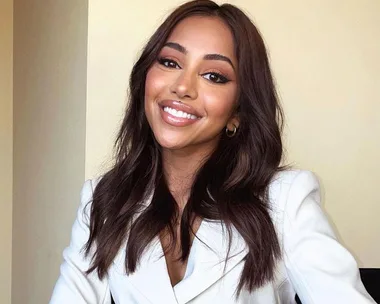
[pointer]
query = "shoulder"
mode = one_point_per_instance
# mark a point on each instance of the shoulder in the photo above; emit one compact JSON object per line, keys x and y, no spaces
{"x":86,"y":197}
{"x":89,"y":188}
{"x":287,"y":177}
{"x":295,"y":180}
{"x":289,"y":188}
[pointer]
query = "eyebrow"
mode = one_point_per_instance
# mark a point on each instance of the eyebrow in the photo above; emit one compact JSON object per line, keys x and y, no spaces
{"x":177,"y":47}
{"x":182,"y":49}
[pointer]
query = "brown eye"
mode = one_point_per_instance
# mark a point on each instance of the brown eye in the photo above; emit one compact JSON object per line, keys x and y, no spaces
{"x":171,"y":64}
{"x":216,"y":78}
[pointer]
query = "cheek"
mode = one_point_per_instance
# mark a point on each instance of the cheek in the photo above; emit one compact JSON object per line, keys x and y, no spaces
{"x":154,"y":84}
{"x":220,"y":103}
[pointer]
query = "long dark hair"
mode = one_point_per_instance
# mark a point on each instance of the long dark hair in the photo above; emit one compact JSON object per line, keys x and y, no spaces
{"x":231,"y":185}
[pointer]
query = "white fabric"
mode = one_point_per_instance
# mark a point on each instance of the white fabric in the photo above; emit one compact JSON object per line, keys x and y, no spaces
{"x":314,"y":264}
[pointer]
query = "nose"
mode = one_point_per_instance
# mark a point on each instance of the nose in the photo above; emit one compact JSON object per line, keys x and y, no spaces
{"x":185,"y":86}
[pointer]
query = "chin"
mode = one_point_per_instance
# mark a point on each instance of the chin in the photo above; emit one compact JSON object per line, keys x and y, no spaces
{"x":170,"y":144}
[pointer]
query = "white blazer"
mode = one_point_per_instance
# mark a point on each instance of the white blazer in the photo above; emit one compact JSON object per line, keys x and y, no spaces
{"x":314,"y":265}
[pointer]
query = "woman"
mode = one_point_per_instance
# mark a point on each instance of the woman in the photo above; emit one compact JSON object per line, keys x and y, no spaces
{"x":196,"y":208}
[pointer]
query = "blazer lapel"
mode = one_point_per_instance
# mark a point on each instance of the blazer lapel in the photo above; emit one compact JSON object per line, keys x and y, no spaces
{"x":206,"y":263}
{"x":151,"y":279}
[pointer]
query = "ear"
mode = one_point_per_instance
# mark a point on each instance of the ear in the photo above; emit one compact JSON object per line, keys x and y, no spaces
{"x":233,"y":122}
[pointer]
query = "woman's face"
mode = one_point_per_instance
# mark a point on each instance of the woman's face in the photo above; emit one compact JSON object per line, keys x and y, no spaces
{"x":191,"y":90}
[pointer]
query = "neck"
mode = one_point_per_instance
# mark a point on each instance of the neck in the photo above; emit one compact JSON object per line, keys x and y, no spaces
{"x":180,"y":168}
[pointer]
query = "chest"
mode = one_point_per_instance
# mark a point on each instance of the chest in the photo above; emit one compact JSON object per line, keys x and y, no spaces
{"x":204,"y":278}
{"x":172,"y":248}
{"x":196,"y":288}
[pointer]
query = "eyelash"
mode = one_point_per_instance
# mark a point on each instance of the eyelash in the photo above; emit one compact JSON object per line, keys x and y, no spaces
{"x":171,"y":64}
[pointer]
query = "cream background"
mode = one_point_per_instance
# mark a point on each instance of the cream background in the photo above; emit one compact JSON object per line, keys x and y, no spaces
{"x":50,"y":49}
{"x":325,"y":56}
{"x":6,"y":59}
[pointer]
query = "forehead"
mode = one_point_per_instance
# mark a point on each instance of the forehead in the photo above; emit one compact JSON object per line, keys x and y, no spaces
{"x":204,"y":34}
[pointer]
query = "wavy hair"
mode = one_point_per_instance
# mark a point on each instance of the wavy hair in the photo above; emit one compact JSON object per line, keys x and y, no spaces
{"x":230,"y":186}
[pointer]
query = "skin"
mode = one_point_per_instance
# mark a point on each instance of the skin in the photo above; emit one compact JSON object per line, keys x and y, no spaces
{"x":185,"y":74}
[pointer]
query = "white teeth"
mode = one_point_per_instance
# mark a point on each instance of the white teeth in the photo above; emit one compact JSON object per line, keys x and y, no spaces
{"x":180,"y":114}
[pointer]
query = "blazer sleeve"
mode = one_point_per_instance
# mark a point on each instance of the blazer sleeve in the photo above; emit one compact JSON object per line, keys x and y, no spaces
{"x":320,"y":269}
{"x":73,"y":285}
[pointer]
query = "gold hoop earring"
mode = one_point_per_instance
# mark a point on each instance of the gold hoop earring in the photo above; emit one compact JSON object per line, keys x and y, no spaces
{"x":230,"y":133}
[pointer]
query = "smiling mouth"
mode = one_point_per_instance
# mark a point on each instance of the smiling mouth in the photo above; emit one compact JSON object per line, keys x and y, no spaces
{"x":179,"y":114}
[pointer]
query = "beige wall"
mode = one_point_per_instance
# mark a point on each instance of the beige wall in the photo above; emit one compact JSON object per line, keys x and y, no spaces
{"x":50,"y":46}
{"x":326,"y":60}
{"x":117,"y":30}
{"x":6,"y":66}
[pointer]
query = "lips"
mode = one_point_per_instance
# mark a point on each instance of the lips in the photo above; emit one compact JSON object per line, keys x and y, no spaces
{"x":179,"y":106}
{"x":178,"y":114}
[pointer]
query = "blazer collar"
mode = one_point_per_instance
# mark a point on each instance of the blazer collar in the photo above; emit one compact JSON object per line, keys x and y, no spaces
{"x":206,"y":265}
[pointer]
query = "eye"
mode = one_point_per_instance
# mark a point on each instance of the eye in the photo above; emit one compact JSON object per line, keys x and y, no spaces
{"x":171,"y":64}
{"x":216,"y":77}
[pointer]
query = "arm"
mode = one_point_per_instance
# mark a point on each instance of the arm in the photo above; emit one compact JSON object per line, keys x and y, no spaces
{"x":73,"y":285}
{"x":320,"y":269}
